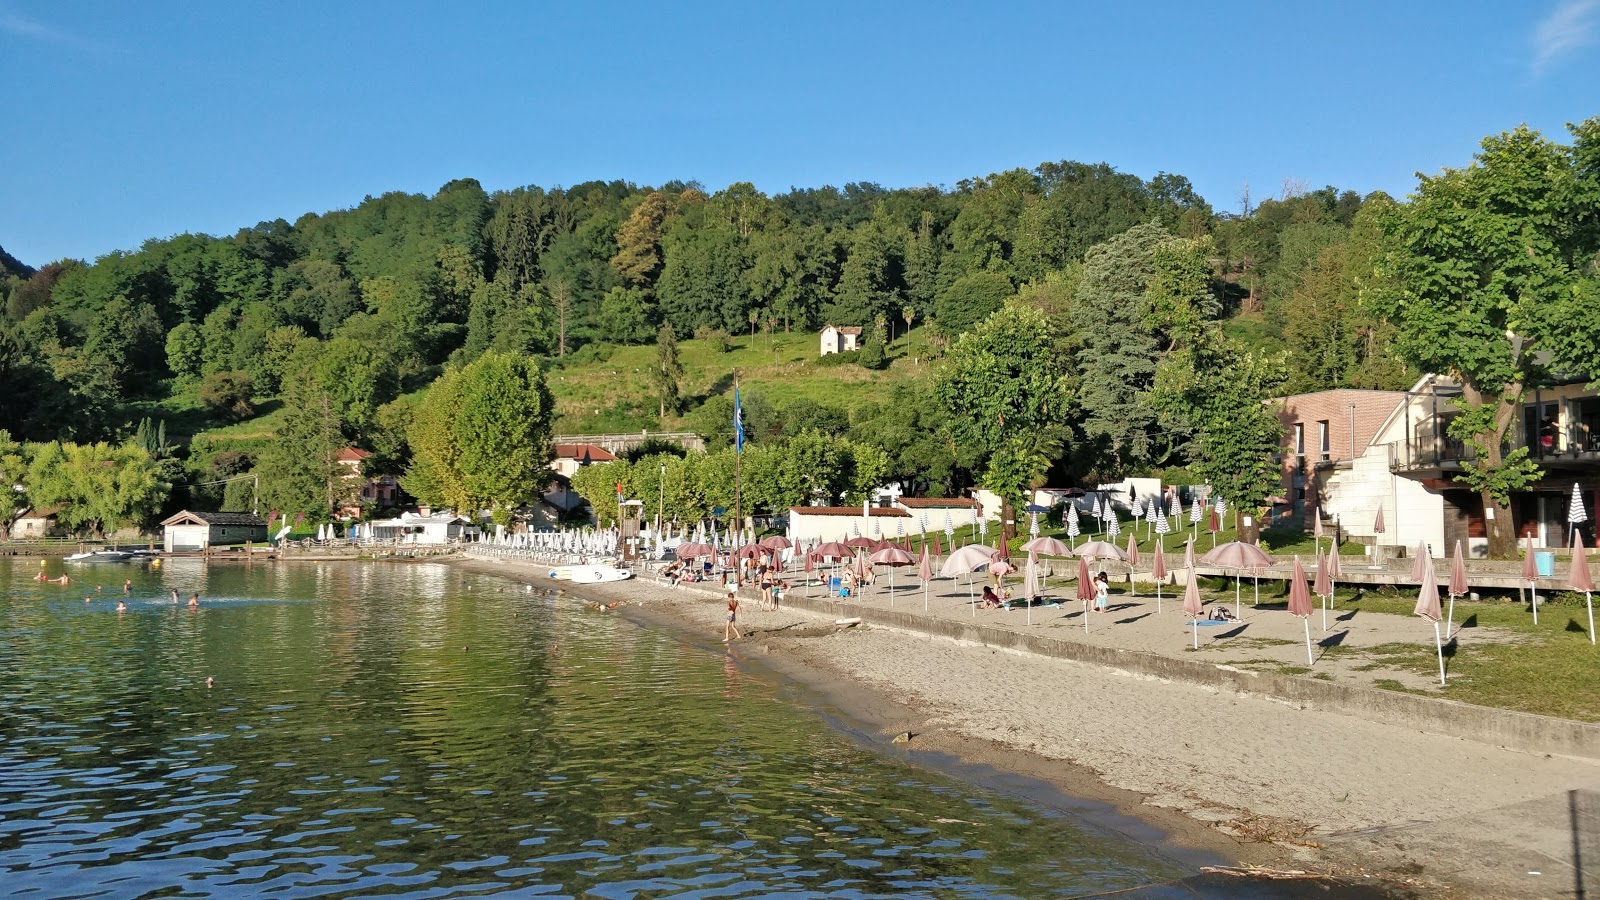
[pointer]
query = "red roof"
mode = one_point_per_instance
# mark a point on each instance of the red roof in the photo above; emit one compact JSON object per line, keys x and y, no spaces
{"x":581,"y":451}
{"x":938,"y":502}
{"x":352,"y":454}
{"x":848,"y":511}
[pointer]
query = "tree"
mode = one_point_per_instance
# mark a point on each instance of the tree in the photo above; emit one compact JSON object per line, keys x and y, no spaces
{"x":626,"y":316}
{"x":1493,"y":269}
{"x":97,"y":487}
{"x":667,"y":373}
{"x":228,"y":395}
{"x":300,"y":470}
{"x":13,"y":475}
{"x":872,"y":355}
{"x":481,"y":435}
{"x":185,"y":350}
{"x":561,"y":299}
{"x":1005,"y":384}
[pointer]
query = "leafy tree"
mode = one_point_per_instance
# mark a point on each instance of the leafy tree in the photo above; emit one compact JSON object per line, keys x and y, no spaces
{"x":1493,"y":265}
{"x":13,"y":476}
{"x":970,"y":300}
{"x":872,"y":354}
{"x":481,"y":436}
{"x":1006,"y":383}
{"x":300,"y":470}
{"x":97,"y":487}
{"x":667,"y":373}
{"x":228,"y":395}
{"x":185,"y":350}
{"x":625,"y":316}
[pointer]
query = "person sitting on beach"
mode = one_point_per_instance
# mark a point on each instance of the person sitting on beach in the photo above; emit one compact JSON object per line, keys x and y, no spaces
{"x":1222,"y":614}
{"x":991,"y":600}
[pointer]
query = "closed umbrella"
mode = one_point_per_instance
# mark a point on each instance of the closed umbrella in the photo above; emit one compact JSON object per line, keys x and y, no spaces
{"x":1133,"y":554}
{"x":1576,"y":515}
{"x":1423,"y":559}
{"x":1300,"y":603}
{"x":1033,"y":524}
{"x":1188,"y":554}
{"x":1316,"y":530}
{"x":1158,"y":571}
{"x":1579,"y":579}
{"x":1428,"y":608}
{"x":1334,"y":574}
{"x":1195,"y":512}
{"x":924,"y":574}
{"x":1458,"y":585}
{"x":1085,"y":589}
{"x":1377,"y":548}
{"x":1072,"y":522}
{"x":1030,"y":583}
{"x":1530,"y":574}
{"x":1192,"y":607}
{"x":809,"y":569}
{"x":1323,"y":586}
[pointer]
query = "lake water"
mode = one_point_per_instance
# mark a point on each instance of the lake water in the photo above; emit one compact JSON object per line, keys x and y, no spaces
{"x":421,"y":731}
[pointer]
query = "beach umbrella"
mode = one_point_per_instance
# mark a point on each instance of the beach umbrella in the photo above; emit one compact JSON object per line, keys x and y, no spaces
{"x":809,"y":568}
{"x":1423,"y":559}
{"x":1113,"y":527}
{"x":1195,"y":512}
{"x":1133,"y":554}
{"x":1030,"y":583}
{"x":1316,"y":528}
{"x":1458,"y":585}
{"x":925,"y":574}
{"x":1099,"y":550}
{"x":1096,"y":510}
{"x":1300,"y":602}
{"x":1072,"y":522}
{"x":1323,"y":586}
{"x":1428,"y":608}
{"x":1576,"y":514}
{"x":1188,"y":554}
{"x":938,"y":548}
{"x":983,"y":527}
{"x":692,"y":550}
{"x":864,"y":543}
{"x":1046,"y":546}
{"x":1192,"y":607}
{"x":1162,"y":528}
{"x":968,"y":559}
{"x":1158,"y":571}
{"x":1237,"y":555}
{"x":1377,"y":522}
{"x":1175,"y":506}
{"x":1579,"y":579}
{"x":894,"y":558}
{"x":1530,"y":574}
{"x":1033,"y":524}
{"x":1085,"y":589}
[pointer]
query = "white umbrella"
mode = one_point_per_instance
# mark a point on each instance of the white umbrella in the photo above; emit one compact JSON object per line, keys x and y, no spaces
{"x":1576,"y":514}
{"x":1195,"y":512}
{"x":968,"y":559}
{"x":1072,"y":522}
{"x":1033,"y":524}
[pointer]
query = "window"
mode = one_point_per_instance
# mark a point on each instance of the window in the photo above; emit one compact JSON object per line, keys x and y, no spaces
{"x":1323,"y":438}
{"x":1299,"y":439}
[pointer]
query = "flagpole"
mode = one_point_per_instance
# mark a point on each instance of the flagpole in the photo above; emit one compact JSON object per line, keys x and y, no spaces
{"x":738,"y":455}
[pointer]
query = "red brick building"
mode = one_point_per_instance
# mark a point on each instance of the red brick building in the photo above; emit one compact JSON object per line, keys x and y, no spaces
{"x":1324,"y":429}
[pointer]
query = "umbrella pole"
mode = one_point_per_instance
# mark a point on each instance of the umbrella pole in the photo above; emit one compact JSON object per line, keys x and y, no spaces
{"x":1306,"y":621}
{"x":891,"y":587}
{"x":1450,"y":617}
{"x":1196,"y":623}
{"x":1533,"y":588}
{"x":1085,"y":617}
{"x":1257,"y":577}
{"x":924,"y":596}
{"x":1158,"y":598}
{"x":1588,"y":601}
{"x":1238,"y":577}
{"x":1439,"y":645}
{"x":1324,"y":615}
{"x":971,"y":601}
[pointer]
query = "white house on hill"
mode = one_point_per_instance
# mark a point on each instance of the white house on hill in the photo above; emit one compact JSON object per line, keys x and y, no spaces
{"x":839,"y":340}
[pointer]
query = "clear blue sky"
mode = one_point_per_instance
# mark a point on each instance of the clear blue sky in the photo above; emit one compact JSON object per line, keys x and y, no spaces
{"x":126,"y":121}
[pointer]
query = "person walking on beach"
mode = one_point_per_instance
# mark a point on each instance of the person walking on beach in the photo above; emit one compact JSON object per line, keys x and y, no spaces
{"x":730,"y":629}
{"x":765,"y":576}
{"x":1102,"y":592}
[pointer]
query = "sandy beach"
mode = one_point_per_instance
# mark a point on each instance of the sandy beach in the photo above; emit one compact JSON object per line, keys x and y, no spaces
{"x":1257,"y":780}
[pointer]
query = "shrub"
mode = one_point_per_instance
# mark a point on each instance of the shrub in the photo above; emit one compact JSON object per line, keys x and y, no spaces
{"x":227,"y":395}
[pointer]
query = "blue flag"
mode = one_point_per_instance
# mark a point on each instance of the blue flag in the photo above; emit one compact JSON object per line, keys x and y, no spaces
{"x":738,"y":423}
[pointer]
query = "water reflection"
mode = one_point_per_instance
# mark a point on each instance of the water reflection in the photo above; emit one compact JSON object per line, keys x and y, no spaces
{"x":412,"y":729}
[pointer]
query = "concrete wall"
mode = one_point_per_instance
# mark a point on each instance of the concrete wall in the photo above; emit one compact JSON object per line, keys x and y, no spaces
{"x":622,"y":443}
{"x":808,"y":528}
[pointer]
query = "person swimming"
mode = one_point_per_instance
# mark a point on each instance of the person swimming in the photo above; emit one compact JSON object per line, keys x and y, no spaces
{"x":194,"y":601}
{"x":122,"y":607}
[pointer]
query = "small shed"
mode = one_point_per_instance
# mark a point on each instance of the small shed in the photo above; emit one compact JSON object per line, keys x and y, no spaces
{"x":838,"y":340}
{"x":190,"y":531}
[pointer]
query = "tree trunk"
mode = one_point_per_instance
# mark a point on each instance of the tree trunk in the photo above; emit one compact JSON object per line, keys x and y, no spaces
{"x":1008,"y":528}
{"x":1498,"y":524}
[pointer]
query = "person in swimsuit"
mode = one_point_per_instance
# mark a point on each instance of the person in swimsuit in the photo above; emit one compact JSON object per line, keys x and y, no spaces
{"x":1102,"y":592}
{"x":730,"y":630}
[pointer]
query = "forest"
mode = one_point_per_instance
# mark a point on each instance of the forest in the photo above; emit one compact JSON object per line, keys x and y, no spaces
{"x":260,"y":352}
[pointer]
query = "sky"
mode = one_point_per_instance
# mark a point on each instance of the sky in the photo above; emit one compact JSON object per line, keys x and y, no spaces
{"x":128,"y":121}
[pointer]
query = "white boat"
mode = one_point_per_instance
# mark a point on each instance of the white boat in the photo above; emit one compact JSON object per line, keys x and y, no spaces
{"x":112,"y":554}
{"x":79,"y":557}
{"x":590,"y":574}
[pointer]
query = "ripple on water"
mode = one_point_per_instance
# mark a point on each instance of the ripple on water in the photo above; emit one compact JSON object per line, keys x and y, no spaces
{"x":413,"y":730}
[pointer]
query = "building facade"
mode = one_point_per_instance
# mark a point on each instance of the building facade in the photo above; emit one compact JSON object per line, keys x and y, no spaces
{"x":839,"y":340}
{"x":192,"y":532}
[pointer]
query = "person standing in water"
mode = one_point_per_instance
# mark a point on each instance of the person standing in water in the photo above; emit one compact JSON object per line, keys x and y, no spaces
{"x":194,"y":601}
{"x":127,"y":586}
{"x":731,"y":630}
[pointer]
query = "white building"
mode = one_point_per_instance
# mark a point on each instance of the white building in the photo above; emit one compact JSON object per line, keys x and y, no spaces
{"x":569,"y":458}
{"x":444,"y":528}
{"x":191,"y":532}
{"x":840,"y":523}
{"x":839,"y":340}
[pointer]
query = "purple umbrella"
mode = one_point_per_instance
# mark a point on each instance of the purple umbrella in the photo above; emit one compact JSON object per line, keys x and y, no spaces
{"x":1192,"y":607}
{"x":1458,"y":585}
{"x":1300,"y":602}
{"x":1428,"y":608}
{"x":1578,"y":579}
{"x":1158,"y":571}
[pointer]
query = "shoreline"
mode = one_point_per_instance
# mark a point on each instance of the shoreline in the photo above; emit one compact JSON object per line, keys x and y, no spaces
{"x":1362,"y":800}
{"x":792,"y":645}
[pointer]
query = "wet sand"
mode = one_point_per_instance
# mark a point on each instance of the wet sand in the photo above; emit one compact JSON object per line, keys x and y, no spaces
{"x":1246,"y":779}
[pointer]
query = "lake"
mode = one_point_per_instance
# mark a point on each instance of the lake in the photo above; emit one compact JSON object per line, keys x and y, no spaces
{"x":415,"y":730}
